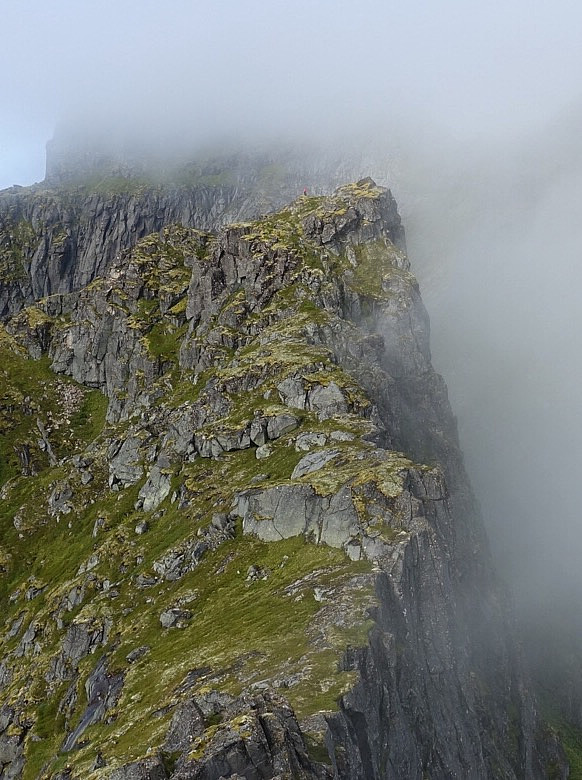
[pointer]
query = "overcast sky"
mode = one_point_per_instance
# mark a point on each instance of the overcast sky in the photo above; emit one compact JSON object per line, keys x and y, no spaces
{"x":475,"y":68}
{"x":483,"y":101}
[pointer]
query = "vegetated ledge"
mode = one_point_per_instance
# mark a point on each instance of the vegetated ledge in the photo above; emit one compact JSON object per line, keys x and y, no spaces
{"x":242,"y":517}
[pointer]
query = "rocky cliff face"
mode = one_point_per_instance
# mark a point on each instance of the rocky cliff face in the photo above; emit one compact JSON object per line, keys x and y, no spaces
{"x":263,"y":559}
{"x":58,"y":236}
{"x":55,"y":240}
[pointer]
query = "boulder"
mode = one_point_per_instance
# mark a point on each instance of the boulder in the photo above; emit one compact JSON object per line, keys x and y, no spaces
{"x":136,"y":654}
{"x":314,"y":461}
{"x":327,"y":401}
{"x":258,"y":431}
{"x":292,"y":392}
{"x":175,"y":618}
{"x":280,"y":425}
{"x":308,"y":440}
{"x":155,"y":489}
{"x":125,"y":467}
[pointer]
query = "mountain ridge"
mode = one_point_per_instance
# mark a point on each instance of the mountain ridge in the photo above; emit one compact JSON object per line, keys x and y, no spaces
{"x":278,"y":467}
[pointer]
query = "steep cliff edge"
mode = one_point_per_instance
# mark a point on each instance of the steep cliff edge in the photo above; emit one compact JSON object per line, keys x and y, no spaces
{"x":55,"y":240}
{"x":265,"y":559}
{"x":59,"y":235}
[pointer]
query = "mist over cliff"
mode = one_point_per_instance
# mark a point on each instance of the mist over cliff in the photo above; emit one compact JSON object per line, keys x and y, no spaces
{"x":201,"y":71}
{"x":497,"y":241}
{"x":267,"y":407}
{"x":471,"y":115}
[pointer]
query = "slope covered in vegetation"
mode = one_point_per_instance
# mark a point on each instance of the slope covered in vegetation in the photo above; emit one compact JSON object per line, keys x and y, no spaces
{"x":264,"y":558}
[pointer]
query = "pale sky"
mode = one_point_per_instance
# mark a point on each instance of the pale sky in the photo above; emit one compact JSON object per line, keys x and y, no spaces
{"x":475,"y":68}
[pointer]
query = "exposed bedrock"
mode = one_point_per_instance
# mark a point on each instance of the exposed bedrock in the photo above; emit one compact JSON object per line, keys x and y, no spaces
{"x":274,"y":512}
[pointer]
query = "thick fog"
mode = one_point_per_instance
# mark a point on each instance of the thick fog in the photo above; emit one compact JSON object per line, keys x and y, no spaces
{"x":189,"y":69}
{"x":474,"y":108}
{"x":496,"y":240}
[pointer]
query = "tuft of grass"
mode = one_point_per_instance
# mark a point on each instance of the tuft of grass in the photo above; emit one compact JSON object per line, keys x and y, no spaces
{"x":569,"y":735}
{"x":163,"y":341}
{"x":376,"y":262}
{"x":30,"y":393}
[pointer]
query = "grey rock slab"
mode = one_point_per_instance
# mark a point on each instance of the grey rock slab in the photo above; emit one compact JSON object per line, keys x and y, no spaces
{"x":86,"y":477}
{"x":59,"y":500}
{"x":124,"y":465}
{"x":103,"y":691}
{"x":234,"y":440}
{"x":136,"y":654}
{"x":186,"y":724}
{"x":28,"y":642}
{"x":292,"y":392}
{"x":203,"y":446}
{"x":263,"y":452}
{"x":221,"y":521}
{"x":16,"y":626}
{"x":327,"y":401}
{"x":340,"y":520}
{"x":314,"y":461}
{"x":353,"y":550}
{"x":175,"y":618}
{"x":155,"y":489}
{"x":342,"y":436}
{"x":308,"y":440}
{"x":80,"y":640}
{"x":280,"y":512}
{"x":145,"y":581}
{"x":172,"y":565}
{"x":258,"y":431}
{"x":280,"y":425}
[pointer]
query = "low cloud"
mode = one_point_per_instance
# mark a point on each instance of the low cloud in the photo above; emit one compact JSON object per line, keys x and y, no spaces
{"x":472,"y":112}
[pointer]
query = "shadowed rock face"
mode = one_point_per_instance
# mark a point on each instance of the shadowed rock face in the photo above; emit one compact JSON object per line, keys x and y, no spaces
{"x":59,"y":235}
{"x":55,"y":242}
{"x":267,"y":385}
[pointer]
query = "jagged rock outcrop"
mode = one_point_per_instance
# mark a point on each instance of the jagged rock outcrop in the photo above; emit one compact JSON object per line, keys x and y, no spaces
{"x":277,"y":505}
{"x":54,"y":242}
{"x":59,"y":235}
